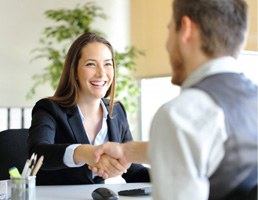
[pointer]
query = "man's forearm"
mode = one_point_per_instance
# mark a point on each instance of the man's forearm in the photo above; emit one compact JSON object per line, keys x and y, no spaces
{"x":136,"y":152}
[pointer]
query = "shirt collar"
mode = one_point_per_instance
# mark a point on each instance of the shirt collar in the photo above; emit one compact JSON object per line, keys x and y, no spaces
{"x":225,"y":64}
{"x":105,"y":111}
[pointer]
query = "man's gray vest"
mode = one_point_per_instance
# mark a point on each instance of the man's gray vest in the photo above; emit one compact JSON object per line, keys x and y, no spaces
{"x":237,"y":96}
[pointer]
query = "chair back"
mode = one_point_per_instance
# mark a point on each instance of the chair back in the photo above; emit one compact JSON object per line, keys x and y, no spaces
{"x":13,"y":150}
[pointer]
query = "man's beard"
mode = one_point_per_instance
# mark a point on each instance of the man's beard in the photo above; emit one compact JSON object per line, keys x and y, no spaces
{"x":178,"y":69}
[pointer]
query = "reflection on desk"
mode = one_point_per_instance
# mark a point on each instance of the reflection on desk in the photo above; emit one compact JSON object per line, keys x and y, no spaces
{"x":83,"y":192}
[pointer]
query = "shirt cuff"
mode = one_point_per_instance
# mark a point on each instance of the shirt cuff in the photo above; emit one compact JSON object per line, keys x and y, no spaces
{"x":68,"y":156}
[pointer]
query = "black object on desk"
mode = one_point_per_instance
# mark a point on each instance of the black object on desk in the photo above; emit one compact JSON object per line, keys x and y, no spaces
{"x":103,"y":193}
{"x":136,"y":192}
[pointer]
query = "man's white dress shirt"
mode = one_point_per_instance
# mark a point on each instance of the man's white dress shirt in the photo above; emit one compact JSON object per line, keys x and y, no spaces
{"x":187,"y":137}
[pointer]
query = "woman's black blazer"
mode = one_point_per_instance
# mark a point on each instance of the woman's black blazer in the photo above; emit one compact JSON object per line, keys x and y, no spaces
{"x":53,"y":128}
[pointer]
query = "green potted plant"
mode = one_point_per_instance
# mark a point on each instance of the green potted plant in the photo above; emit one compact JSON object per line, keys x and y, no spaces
{"x":54,"y":43}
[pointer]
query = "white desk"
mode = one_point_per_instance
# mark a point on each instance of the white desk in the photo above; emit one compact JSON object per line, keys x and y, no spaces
{"x":83,"y":192}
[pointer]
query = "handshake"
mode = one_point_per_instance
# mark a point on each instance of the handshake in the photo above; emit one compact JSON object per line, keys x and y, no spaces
{"x":112,"y":159}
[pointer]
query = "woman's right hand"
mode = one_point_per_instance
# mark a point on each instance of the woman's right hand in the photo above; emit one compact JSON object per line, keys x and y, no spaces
{"x":106,"y":166}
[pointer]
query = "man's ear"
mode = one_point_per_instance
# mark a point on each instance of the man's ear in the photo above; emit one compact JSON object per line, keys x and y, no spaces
{"x":187,"y":28}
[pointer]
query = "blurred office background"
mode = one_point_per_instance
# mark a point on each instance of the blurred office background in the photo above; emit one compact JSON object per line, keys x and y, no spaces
{"x":141,"y":23}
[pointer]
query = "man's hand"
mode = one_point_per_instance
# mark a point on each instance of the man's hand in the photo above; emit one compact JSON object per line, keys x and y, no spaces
{"x":129,"y":152}
{"x":108,"y":167}
{"x":114,"y":150}
{"x":124,"y":153}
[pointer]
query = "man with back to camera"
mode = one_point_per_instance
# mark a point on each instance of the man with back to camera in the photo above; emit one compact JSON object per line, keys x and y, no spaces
{"x":203,"y":143}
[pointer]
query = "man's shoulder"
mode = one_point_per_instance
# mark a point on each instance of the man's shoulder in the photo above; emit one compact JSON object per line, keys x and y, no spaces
{"x":188,"y":103}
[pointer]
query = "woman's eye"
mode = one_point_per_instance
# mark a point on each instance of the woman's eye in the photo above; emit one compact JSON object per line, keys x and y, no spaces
{"x":90,"y":64}
{"x":109,"y":64}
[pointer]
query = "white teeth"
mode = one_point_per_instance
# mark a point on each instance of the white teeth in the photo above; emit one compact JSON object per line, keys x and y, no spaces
{"x":98,"y":83}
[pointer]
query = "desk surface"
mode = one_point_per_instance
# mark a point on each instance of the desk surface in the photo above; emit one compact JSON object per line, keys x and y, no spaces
{"x":83,"y":192}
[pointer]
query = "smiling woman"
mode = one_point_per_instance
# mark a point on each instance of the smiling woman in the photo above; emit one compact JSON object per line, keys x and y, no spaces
{"x":95,"y":71}
{"x":82,"y":114}
{"x":85,"y":61}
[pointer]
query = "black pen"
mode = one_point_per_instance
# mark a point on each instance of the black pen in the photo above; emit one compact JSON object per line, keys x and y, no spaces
{"x":31,"y":166}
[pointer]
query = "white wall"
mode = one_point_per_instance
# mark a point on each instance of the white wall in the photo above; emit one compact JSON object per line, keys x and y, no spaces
{"x":21,"y":23}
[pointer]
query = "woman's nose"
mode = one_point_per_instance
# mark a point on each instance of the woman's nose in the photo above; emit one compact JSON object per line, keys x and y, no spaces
{"x":100,"y":70}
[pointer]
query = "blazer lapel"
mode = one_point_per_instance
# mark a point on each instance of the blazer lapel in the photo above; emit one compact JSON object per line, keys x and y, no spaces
{"x":75,"y":123}
{"x":112,"y":124}
{"x":113,"y":130}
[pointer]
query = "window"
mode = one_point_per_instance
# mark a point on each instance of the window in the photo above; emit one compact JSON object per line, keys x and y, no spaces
{"x":249,"y":64}
{"x":154,"y":93}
